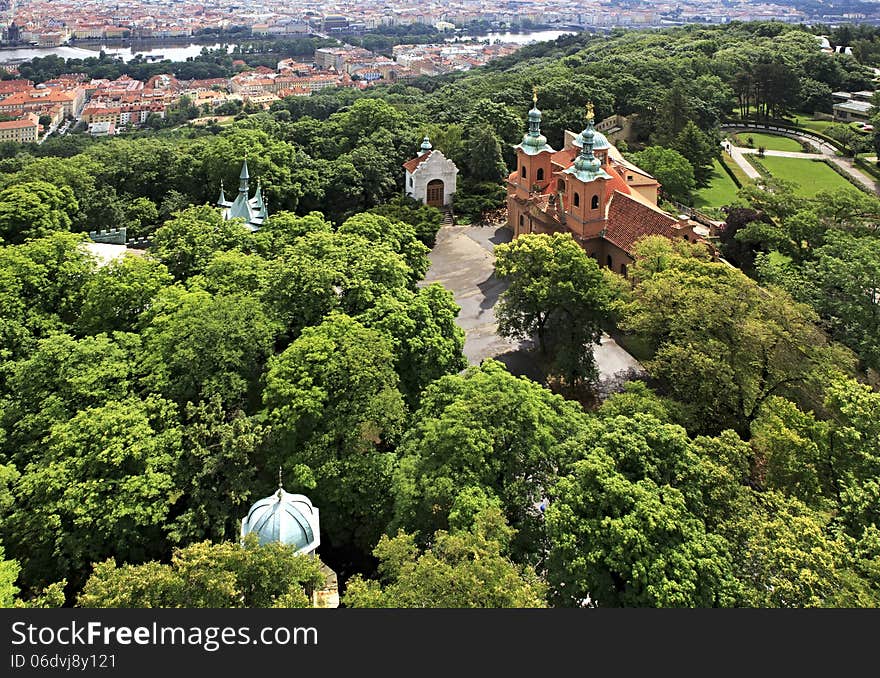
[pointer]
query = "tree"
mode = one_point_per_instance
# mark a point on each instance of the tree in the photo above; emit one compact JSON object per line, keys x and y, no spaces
{"x":323,"y":272}
{"x":35,"y":209}
{"x":198,"y":345}
{"x":119,"y":292}
{"x":425,"y":219}
{"x":222,"y":575}
{"x":670,"y":168}
{"x":485,"y":432}
{"x":426,"y":340}
{"x":791,"y":449}
{"x":61,"y":376}
{"x":216,"y":472}
{"x":187,"y":242}
{"x":483,"y":160}
{"x":464,"y":568}
{"x":722,"y":345}
{"x":331,"y":398}
{"x":847,"y":275}
{"x":101,"y":485}
{"x":624,"y":524}
{"x":699,"y":150}
{"x":855,"y":444}
{"x":557,"y":293}
{"x":9,"y":570}
{"x":398,"y":235}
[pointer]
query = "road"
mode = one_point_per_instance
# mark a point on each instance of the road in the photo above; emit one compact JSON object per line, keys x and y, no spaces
{"x":462,"y":261}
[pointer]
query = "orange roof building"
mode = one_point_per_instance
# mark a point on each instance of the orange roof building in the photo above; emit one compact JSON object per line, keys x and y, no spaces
{"x":589,"y":190}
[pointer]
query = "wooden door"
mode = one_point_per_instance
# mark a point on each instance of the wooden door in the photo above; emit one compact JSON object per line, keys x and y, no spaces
{"x":435,"y":193}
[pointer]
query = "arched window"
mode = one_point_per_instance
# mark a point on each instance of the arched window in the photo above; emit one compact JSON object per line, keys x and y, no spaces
{"x":610,"y":262}
{"x":623,"y":270}
{"x":594,"y":203}
{"x":577,"y":199}
{"x":410,"y":182}
{"x":522,"y":171}
{"x":540,"y":175}
{"x":522,"y":220}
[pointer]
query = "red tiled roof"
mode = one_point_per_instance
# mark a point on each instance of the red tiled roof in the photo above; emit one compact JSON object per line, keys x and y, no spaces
{"x":629,"y":220}
{"x":410,"y":165}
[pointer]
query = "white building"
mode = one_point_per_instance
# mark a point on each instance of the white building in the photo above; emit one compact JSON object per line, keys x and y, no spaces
{"x":431,"y":176}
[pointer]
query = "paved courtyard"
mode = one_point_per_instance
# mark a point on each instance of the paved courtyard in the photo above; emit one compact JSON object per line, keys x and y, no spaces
{"x":462,"y":261}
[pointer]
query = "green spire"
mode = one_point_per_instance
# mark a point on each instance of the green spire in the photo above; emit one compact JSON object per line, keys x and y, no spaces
{"x":534,"y":142}
{"x":587,"y":166}
{"x":244,"y":177}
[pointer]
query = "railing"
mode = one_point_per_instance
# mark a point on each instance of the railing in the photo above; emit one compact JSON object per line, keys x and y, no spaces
{"x":792,"y":131}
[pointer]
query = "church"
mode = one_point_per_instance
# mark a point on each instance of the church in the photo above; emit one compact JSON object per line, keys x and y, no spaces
{"x":253,"y":210}
{"x":589,"y":190}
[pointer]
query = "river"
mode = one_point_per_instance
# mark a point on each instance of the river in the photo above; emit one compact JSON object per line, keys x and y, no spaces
{"x":181,"y":51}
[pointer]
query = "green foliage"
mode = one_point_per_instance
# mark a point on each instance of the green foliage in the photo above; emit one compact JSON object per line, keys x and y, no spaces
{"x":9,"y":570}
{"x":33,"y":210}
{"x":722,"y":344}
{"x":557,"y":293}
{"x":186,"y":242}
{"x":398,"y":235}
{"x":425,"y":219}
{"x":484,"y":429}
{"x":674,"y":172}
{"x":198,"y":346}
{"x":119,"y":292}
{"x":465,"y":568}
{"x":331,"y":398}
{"x":100,"y":484}
{"x":222,"y":575}
{"x":426,"y":340}
{"x":626,"y":527}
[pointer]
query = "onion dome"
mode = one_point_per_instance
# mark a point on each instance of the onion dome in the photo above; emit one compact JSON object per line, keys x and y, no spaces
{"x":587,"y":166}
{"x":534,"y":142}
{"x":283,"y":517}
{"x":426,"y":145}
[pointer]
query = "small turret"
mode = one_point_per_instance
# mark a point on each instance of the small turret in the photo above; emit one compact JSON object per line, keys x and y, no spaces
{"x":426,"y":146}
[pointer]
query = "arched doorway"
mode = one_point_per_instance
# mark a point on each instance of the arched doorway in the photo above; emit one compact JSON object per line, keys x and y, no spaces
{"x":434,"y":196}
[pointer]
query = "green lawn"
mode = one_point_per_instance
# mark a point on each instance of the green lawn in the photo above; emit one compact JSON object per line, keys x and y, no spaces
{"x":771,"y":142}
{"x":721,"y":192}
{"x":811,"y":176}
{"x":807,"y":122}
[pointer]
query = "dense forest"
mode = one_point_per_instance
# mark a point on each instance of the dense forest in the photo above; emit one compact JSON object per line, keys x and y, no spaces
{"x":147,"y":402}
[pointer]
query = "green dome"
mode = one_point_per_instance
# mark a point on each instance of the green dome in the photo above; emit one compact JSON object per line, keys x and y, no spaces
{"x":287,"y":518}
{"x":600,"y":142}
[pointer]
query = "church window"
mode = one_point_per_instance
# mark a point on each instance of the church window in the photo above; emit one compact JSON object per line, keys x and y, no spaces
{"x":629,"y":177}
{"x":522,"y":220}
{"x":522,"y":171}
{"x":577,"y":199}
{"x":623,"y":270}
{"x":594,"y":204}
{"x":540,"y":175}
{"x":410,"y":182}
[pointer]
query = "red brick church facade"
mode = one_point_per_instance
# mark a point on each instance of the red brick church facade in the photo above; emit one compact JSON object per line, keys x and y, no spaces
{"x":589,"y":190}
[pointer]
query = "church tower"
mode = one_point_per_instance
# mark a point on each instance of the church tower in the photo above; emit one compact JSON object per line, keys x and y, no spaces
{"x":533,"y":171}
{"x":586,"y":193}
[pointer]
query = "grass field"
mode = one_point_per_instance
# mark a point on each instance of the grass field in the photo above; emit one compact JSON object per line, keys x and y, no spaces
{"x":721,"y":192}
{"x":771,"y":142}
{"x":810,"y":176}
{"x":807,"y":122}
